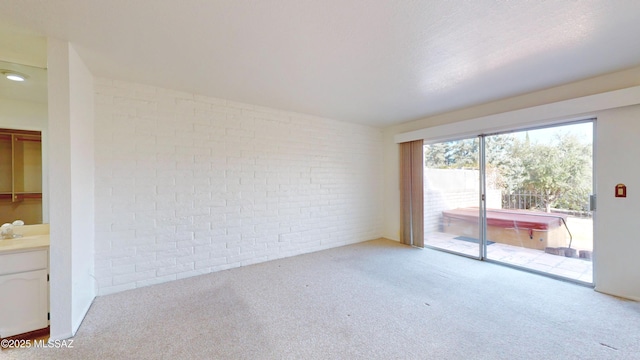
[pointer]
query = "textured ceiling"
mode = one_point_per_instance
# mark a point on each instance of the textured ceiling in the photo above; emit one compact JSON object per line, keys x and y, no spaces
{"x":365,"y":61}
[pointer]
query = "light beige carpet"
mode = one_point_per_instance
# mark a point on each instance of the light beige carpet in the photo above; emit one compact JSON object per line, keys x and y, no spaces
{"x":374,"y":300}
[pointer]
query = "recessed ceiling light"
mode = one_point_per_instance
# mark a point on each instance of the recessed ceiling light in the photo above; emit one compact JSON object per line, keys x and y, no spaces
{"x":14,"y":75}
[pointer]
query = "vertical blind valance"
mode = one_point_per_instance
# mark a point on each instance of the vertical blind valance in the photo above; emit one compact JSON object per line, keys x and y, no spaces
{"x":411,"y":193}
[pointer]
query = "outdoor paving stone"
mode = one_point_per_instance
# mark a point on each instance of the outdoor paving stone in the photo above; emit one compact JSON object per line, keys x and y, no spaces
{"x":571,"y":268}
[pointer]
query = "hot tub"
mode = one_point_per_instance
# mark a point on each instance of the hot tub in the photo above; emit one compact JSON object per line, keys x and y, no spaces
{"x":513,"y":227}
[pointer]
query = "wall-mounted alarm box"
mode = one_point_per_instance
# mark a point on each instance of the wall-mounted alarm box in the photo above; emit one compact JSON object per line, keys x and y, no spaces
{"x":621,"y":190}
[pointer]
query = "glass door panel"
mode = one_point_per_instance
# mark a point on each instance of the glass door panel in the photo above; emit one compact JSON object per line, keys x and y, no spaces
{"x":538,"y":184}
{"x":451,"y":196}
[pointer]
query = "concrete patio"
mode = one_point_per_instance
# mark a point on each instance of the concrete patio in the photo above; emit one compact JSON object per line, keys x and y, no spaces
{"x":570,"y":268}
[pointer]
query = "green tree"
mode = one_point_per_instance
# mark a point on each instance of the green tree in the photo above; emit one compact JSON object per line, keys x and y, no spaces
{"x":458,"y":154}
{"x":435,"y":155}
{"x":560,"y":171}
{"x":464,"y":153}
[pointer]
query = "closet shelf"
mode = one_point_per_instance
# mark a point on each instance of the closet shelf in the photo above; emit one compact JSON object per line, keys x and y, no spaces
{"x":20,"y":175}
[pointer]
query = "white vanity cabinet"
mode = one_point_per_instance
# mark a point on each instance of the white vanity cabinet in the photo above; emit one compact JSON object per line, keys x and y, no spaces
{"x":24,"y":291}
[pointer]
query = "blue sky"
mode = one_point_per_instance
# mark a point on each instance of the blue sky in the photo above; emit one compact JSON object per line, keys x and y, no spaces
{"x":584,"y":131}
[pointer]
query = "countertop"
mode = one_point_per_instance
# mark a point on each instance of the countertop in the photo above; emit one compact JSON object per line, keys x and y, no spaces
{"x":25,"y":243}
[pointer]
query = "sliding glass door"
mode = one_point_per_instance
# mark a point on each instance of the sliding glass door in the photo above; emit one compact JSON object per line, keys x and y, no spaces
{"x":520,"y":198}
{"x":451,"y":196}
{"x":539,"y":182}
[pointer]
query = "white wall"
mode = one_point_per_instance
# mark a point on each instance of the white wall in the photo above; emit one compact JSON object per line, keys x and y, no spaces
{"x":27,"y":115}
{"x":446,"y":189}
{"x":617,"y":244}
{"x":612,"y":236}
{"x":81,"y":128}
{"x":71,"y":115}
{"x":187,"y":185}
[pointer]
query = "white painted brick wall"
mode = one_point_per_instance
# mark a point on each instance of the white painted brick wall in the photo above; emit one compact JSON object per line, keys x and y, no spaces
{"x":447,"y":189}
{"x":187,"y":185}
